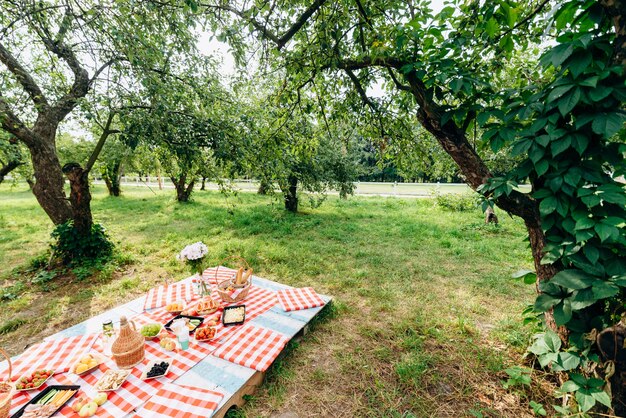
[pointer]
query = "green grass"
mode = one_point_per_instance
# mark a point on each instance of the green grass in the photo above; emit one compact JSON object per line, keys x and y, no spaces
{"x":425,"y":317}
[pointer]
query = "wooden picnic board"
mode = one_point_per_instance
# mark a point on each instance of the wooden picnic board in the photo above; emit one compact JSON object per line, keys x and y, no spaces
{"x":214,"y":373}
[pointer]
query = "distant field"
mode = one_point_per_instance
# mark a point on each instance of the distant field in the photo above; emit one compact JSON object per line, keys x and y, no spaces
{"x":426,"y":314}
{"x":362,"y":188}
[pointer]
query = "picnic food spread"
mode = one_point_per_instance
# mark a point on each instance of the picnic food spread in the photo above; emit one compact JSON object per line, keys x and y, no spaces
{"x":34,"y":380}
{"x":234,"y":315}
{"x":112,"y":379}
{"x":85,"y":364}
{"x":92,"y":375}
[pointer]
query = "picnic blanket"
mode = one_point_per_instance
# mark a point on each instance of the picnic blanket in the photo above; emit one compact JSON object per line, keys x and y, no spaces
{"x":295,"y":299}
{"x":253,"y":347}
{"x":168,"y":293}
{"x":181,"y":401}
{"x":56,"y":354}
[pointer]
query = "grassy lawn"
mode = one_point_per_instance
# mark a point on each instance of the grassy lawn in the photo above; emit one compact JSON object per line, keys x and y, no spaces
{"x":426,"y":315}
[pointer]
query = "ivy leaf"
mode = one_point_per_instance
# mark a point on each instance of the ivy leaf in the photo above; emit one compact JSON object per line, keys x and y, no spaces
{"x":562,"y":312}
{"x":602,"y":397}
{"x":569,"y":386}
{"x":561,"y":145}
{"x":542,"y":167}
{"x":548,"y":205}
{"x":584,"y":223}
{"x":558,"y":54}
{"x":567,"y":103}
{"x":605,"y":231}
{"x":603,"y":290}
{"x":583,"y":298}
{"x":528,"y":276}
{"x":572,"y":177}
{"x":568,"y":361}
{"x":544,"y":302}
{"x":553,"y":342}
{"x":579,"y":62}
{"x":572,"y":279}
{"x":558,"y":92}
{"x":600,"y":93}
{"x":585,"y":400}
{"x":607,"y":124}
{"x":592,"y":253}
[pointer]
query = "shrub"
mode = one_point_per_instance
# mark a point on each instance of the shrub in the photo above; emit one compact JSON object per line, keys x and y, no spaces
{"x":456,"y":202}
{"x":74,"y":248}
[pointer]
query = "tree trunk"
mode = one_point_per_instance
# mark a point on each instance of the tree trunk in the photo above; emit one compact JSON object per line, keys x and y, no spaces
{"x":8,"y":167}
{"x":112,"y":176}
{"x":203,"y":182}
{"x":183,"y":193}
{"x":264,"y":187}
{"x":80,"y":198}
{"x":453,"y":140}
{"x":291,"y":194}
{"x":49,"y":180}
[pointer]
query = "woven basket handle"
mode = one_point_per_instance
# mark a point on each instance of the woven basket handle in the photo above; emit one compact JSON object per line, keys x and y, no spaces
{"x":4,"y":353}
{"x":230,"y":257}
{"x":133,"y":324}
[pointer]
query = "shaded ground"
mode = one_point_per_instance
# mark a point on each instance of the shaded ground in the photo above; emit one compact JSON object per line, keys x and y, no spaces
{"x":426,"y":314}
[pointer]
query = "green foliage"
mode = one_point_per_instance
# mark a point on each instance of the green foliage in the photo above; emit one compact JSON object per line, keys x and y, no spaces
{"x":518,"y":376}
{"x":76,"y":249}
{"x":454,"y":202}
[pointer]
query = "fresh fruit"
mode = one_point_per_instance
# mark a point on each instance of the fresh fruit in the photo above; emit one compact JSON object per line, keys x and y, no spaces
{"x":158,"y":369}
{"x":87,"y":362}
{"x":174,"y":307}
{"x":168,"y":343}
{"x":81,"y":367}
{"x":79,"y":403}
{"x":100,"y":398}
{"x":205,"y":333}
{"x":89,"y":409}
{"x":150,"y":330}
{"x":34,"y":380}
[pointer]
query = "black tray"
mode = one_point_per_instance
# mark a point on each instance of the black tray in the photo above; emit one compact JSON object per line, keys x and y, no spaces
{"x":167,"y":326}
{"x":43,"y":393}
{"x":227,"y":308}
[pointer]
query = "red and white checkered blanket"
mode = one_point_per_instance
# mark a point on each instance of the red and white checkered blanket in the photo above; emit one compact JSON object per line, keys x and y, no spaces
{"x":165,"y":294}
{"x":295,"y":299}
{"x":55,"y":354}
{"x":181,"y":401}
{"x":253,"y":347}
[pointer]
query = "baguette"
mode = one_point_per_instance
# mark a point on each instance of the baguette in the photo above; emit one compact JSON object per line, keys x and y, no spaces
{"x":239,"y":275}
{"x":247,"y":276}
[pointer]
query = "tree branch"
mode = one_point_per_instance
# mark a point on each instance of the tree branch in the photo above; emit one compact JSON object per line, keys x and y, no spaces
{"x":24,"y":78}
{"x":280,"y":41}
{"x":12,"y":124}
{"x":103,"y":137}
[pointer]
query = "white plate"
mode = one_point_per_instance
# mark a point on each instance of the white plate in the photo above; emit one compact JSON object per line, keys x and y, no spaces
{"x":154,"y":336}
{"x":144,"y":375}
{"x":107,"y":373}
{"x":30,"y":374}
{"x":99,"y":358}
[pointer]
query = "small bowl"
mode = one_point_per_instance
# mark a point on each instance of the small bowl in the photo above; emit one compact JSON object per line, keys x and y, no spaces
{"x":33,"y":388}
{"x":148,"y":338}
{"x":99,"y":358}
{"x":184,"y":305}
{"x":205,"y":339}
{"x":144,"y":375}
{"x":107,"y":373}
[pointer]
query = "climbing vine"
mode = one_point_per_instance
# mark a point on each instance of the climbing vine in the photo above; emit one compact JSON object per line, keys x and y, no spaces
{"x":569,"y":129}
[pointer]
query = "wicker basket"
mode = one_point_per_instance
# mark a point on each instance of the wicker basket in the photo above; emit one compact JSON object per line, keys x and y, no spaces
{"x":223,"y":286}
{"x":129,"y":348}
{"x":6,"y":390}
